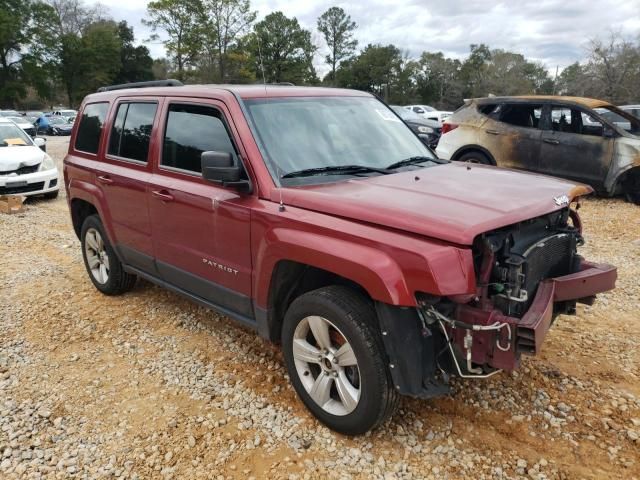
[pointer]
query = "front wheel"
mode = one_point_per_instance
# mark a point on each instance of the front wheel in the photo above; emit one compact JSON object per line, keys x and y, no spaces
{"x":336,"y":360}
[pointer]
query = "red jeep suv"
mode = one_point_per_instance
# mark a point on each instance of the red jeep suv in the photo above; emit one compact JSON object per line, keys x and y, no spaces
{"x":319,"y":219}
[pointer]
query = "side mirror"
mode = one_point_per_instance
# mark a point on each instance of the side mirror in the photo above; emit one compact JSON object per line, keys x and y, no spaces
{"x":218,"y":167}
{"x":608,"y":132}
{"x":41,"y":143}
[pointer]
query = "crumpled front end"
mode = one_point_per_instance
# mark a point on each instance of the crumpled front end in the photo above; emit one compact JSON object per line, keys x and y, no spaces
{"x":527,"y":274}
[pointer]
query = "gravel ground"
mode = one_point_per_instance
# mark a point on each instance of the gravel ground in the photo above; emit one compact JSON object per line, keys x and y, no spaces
{"x":148,"y":385}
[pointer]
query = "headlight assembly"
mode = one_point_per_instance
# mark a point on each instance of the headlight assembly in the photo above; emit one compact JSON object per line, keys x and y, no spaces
{"x":425,"y":130}
{"x":47,"y":163}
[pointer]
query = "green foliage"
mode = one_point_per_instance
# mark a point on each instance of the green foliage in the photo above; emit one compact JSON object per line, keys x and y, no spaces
{"x":224,"y":24}
{"x":283,"y":49}
{"x":337,"y":28}
{"x":180,"y":19}
{"x":22,"y":37}
{"x":135,"y":62}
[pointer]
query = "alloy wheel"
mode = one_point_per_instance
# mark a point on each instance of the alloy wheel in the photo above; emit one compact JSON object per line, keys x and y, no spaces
{"x":326,"y":365}
{"x":97,"y":257}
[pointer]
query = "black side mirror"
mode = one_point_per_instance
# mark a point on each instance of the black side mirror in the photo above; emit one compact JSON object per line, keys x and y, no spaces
{"x":608,"y":132}
{"x":218,"y":167}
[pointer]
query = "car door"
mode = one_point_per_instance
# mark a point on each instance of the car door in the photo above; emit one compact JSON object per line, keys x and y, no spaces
{"x":574,"y":146}
{"x":201,"y":231}
{"x":124,"y":175}
{"x":512,"y":134}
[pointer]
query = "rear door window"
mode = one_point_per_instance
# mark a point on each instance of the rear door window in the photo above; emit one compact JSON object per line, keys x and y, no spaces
{"x":131,"y":131}
{"x":521,"y":115}
{"x":90,"y":128}
{"x":191,"y":130}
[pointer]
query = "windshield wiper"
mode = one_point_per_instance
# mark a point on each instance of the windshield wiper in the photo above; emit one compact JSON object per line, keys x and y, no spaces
{"x":334,"y":170}
{"x":415,"y":161}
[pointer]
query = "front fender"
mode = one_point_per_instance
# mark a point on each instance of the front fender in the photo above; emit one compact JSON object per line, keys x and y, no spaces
{"x":370,"y":268}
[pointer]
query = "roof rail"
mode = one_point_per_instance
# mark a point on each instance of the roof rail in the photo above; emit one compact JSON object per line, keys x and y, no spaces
{"x":153,"y":83}
{"x":283,"y":84}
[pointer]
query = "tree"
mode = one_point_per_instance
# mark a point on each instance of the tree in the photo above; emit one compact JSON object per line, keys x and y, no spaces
{"x":283,"y":49}
{"x":23,"y":31}
{"x":383,"y":70}
{"x":225,"y":23}
{"x":438,"y":80}
{"x":614,"y":67}
{"x":180,"y":19}
{"x":337,"y":28}
{"x":135,"y":62}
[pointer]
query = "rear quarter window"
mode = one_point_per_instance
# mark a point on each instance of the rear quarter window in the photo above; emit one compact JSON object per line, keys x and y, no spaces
{"x":90,"y":127}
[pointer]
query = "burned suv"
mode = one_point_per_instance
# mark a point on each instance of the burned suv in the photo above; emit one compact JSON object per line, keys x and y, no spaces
{"x":317,"y":218}
{"x":581,"y":139}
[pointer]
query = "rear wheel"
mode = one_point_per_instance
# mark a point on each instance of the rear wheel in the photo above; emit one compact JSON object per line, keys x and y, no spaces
{"x":632,"y":188}
{"x":475,"y":157}
{"x":336,"y":361}
{"x":104,"y":269}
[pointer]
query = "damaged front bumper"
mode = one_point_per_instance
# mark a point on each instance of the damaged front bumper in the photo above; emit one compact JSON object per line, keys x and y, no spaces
{"x":502,"y":346}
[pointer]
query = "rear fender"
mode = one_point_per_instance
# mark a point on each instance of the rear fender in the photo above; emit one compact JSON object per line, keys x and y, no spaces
{"x":82,"y":190}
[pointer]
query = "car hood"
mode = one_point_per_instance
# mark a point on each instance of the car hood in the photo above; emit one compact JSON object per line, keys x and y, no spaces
{"x":454,"y":202}
{"x":12,"y":158}
{"x":62,"y":126}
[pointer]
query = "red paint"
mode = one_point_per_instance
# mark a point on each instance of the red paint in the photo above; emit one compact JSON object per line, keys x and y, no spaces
{"x":393,"y":235}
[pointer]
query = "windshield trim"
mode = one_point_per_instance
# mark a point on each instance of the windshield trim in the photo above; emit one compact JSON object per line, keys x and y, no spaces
{"x":272,"y":167}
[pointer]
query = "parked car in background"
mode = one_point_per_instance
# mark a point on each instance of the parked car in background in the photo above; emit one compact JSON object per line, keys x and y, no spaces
{"x":317,"y":218}
{"x":427,"y":130}
{"x":65,"y":113}
{"x":567,"y":137}
{"x":33,"y":113}
{"x":632,"y":109}
{"x":59,"y":126}
{"x":24,"y":124}
{"x":25,"y":168}
{"x":429,"y":112}
{"x":9,"y":113}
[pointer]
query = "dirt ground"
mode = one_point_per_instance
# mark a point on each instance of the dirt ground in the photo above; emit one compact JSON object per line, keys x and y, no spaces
{"x":148,"y":385}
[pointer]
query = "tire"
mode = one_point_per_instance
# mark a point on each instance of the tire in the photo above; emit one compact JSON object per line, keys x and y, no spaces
{"x":51,"y":195}
{"x":355,"y":398}
{"x":632,"y":189}
{"x":475,"y":157}
{"x":102,"y":264}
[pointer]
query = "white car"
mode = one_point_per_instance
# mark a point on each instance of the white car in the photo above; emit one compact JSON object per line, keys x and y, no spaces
{"x":632,"y":109}
{"x":429,"y":112}
{"x":24,"y":124}
{"x":25,"y":169}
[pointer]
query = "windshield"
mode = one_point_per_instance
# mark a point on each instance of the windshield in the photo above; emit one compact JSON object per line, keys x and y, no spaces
{"x":17,"y":119}
{"x":57,"y":120}
{"x":621,"y":119}
{"x":12,"y":135}
{"x":316,"y":132}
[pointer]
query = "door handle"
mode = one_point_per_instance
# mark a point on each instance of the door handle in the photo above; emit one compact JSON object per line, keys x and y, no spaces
{"x":106,"y":179}
{"x":162,"y":195}
{"x":493,"y":132}
{"x":551,"y":141}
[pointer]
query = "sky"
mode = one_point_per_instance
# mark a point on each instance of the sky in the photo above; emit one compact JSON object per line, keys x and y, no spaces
{"x":554,"y":32}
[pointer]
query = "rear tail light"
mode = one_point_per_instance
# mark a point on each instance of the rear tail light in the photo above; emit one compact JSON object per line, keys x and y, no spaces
{"x":447,"y":127}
